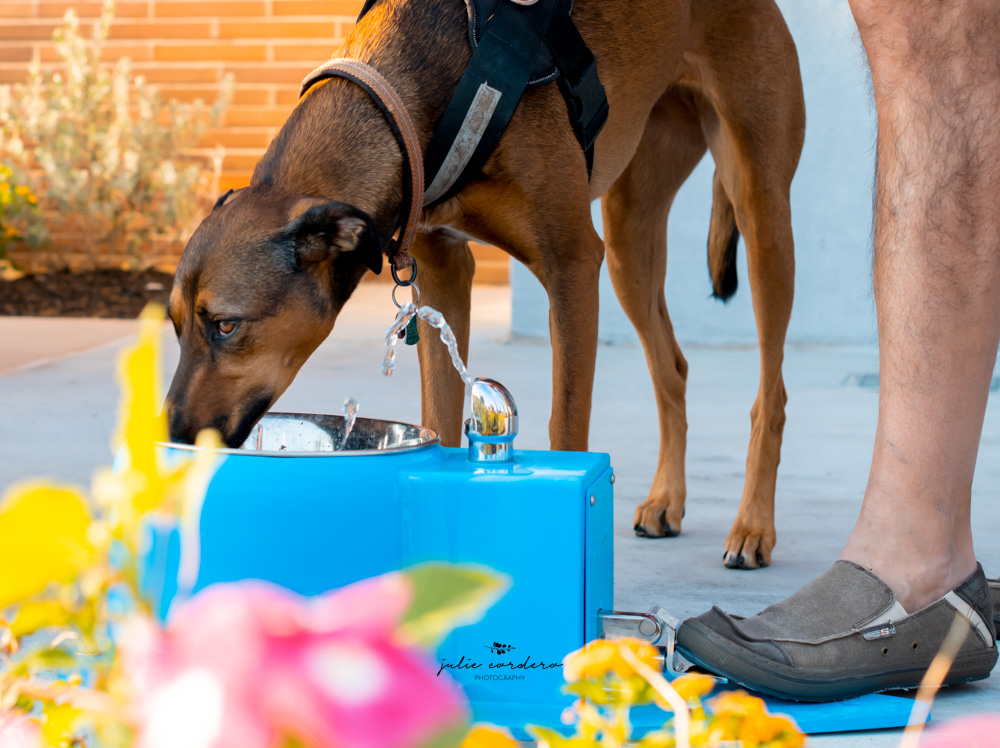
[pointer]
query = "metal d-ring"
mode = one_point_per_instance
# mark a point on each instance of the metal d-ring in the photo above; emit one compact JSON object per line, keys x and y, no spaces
{"x":409,"y":281}
{"x":416,"y":289}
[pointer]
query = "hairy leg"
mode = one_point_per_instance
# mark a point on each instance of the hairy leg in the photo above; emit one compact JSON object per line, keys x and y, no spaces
{"x":936,"y":78}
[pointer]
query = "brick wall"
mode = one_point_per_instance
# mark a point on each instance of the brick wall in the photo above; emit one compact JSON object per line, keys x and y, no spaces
{"x":188,"y":47}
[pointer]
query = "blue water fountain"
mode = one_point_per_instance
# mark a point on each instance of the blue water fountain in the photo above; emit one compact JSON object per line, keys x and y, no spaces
{"x":302,"y":506}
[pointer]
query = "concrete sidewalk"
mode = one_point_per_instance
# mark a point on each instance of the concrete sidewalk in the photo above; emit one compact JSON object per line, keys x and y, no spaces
{"x":56,"y":419}
{"x":27,"y":342}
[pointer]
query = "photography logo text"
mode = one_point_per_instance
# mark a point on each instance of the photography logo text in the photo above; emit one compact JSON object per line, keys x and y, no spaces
{"x":501,"y":666}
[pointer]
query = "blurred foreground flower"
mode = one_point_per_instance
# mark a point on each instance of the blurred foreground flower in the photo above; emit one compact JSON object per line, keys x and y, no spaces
{"x":611,"y":676}
{"x":250,"y":665}
{"x":43,"y":539}
{"x":488,"y":736}
{"x":740,"y":716}
{"x":18,"y":730}
{"x":602,"y":656}
{"x":975,"y":731}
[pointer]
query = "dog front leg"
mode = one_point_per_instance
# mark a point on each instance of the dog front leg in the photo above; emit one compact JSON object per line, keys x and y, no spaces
{"x":446,"y":267}
{"x":572,"y":286}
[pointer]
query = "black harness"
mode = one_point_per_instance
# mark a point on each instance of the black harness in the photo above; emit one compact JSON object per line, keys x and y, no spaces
{"x":516,"y":44}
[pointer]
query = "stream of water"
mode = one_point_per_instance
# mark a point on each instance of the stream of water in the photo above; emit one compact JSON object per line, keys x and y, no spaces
{"x":350,"y":415}
{"x":435,"y":319}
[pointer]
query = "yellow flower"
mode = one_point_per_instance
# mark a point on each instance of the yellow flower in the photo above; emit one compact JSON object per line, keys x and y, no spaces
{"x":140,"y":483}
{"x":488,"y":736}
{"x":60,"y":723}
{"x":640,"y":649}
{"x":740,"y":716}
{"x":766,"y":730}
{"x":32,"y":616}
{"x":693,"y":686}
{"x":737,"y":703}
{"x":141,"y":423}
{"x":23,"y":190}
{"x":43,"y":538}
{"x":593,"y":660}
{"x":601,"y":656}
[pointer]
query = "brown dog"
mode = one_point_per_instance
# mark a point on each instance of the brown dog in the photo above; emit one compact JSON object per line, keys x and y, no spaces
{"x":263,"y":278}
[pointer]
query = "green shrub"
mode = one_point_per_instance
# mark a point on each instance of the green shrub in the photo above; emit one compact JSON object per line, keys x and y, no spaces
{"x":105,"y":154}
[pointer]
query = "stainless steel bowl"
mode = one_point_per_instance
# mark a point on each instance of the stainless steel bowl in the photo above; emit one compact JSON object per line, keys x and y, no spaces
{"x":318,"y":435}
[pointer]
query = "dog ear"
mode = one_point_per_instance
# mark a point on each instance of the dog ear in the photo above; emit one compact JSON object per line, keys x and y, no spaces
{"x":320,"y":230}
{"x":224,"y":198}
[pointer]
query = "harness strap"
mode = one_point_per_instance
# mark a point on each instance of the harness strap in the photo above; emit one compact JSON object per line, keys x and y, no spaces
{"x":494,"y":82}
{"x":580,"y":85}
{"x":391,"y":105}
{"x":486,"y":97}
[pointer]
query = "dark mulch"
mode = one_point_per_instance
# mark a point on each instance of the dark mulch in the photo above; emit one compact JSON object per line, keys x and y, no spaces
{"x":90,"y":293}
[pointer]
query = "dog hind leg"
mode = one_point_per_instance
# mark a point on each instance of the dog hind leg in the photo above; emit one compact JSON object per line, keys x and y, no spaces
{"x":754,"y":128}
{"x":635,"y":224}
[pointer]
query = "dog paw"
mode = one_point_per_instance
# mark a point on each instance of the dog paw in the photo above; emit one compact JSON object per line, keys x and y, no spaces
{"x":748,"y":547}
{"x":655,"y":519}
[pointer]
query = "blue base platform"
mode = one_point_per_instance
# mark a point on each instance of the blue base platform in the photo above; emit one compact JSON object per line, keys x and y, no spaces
{"x":313,"y":524}
{"x":872,"y":712}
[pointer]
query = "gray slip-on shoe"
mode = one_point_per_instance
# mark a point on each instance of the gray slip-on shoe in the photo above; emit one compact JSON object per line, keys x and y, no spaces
{"x":995,"y":592}
{"x":843,"y":635}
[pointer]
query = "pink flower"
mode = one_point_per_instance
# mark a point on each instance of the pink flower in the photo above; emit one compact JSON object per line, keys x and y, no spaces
{"x":976,"y":731}
{"x":18,"y":730}
{"x":242,"y":665}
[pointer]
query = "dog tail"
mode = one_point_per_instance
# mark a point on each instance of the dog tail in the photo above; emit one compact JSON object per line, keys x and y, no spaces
{"x":723,"y":238}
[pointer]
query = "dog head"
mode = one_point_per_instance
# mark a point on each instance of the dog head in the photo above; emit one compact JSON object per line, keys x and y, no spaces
{"x":258,"y":288}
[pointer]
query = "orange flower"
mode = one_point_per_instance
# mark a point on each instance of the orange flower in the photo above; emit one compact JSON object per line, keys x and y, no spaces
{"x":767,"y":730}
{"x":737,"y":703}
{"x":488,"y":736}
{"x":594,"y":660}
{"x":740,"y":716}
{"x":601,"y":656}
{"x":693,"y":686}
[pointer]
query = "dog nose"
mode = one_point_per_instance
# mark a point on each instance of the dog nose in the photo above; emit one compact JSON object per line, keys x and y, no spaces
{"x":181,"y":429}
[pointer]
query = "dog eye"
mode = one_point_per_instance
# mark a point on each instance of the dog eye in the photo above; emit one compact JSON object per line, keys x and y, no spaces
{"x":225,"y":327}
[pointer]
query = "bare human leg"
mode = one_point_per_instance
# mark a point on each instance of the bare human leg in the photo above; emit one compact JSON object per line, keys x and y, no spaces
{"x":936,"y":78}
{"x":868,"y":624}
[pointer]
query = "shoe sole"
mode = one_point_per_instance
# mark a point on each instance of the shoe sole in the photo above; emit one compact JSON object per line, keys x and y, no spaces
{"x":715,"y":653}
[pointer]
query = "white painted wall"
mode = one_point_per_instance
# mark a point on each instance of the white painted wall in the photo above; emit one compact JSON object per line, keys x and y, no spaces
{"x":831,"y":213}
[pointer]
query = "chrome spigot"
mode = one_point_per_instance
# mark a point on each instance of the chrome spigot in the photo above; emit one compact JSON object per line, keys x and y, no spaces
{"x":493,"y":425}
